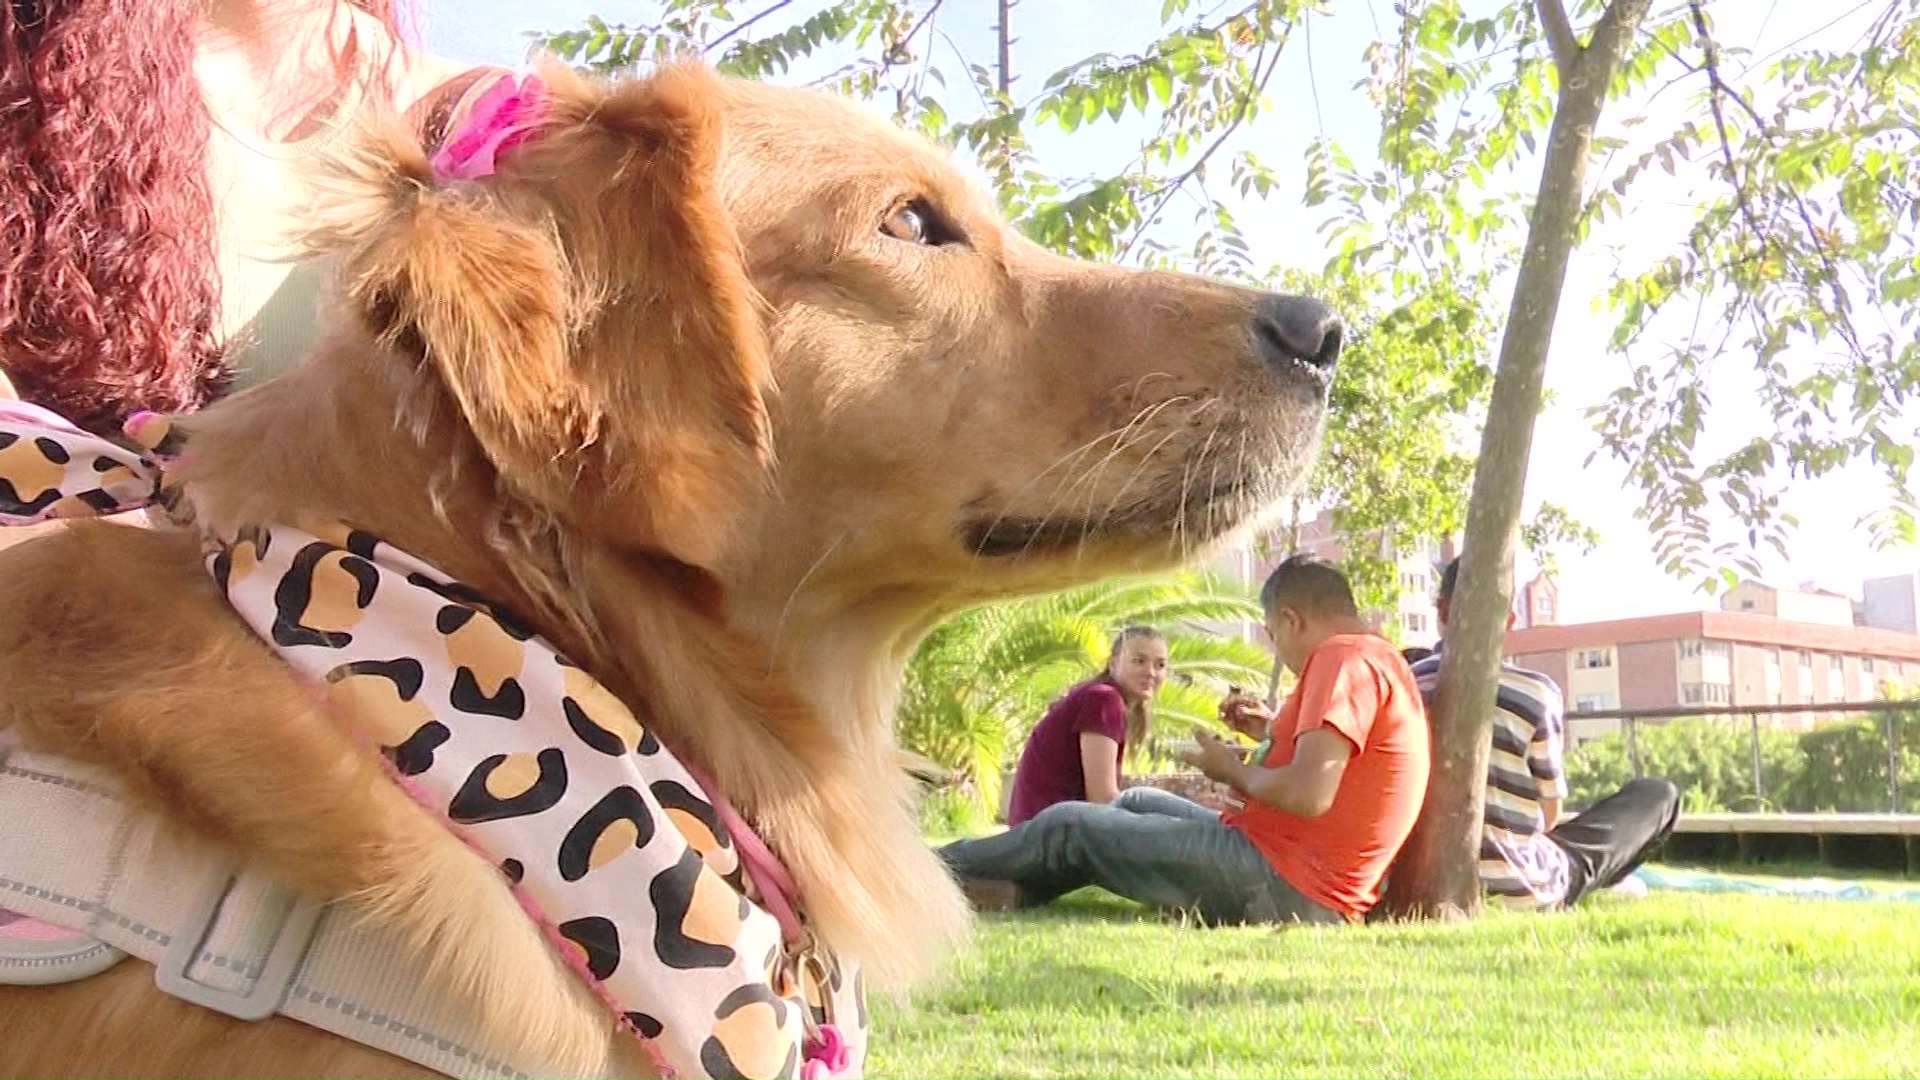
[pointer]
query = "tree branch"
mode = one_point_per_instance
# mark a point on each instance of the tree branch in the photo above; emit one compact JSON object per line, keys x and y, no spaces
{"x":1003,"y":33}
{"x":1560,"y":39}
{"x":1242,"y":108}
{"x":894,"y":55}
{"x":1717,"y":90}
{"x":744,"y":25}
{"x":926,"y":17}
{"x":1711,"y":64}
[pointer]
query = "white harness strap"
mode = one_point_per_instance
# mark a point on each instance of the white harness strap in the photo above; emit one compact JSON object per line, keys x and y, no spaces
{"x":75,"y":853}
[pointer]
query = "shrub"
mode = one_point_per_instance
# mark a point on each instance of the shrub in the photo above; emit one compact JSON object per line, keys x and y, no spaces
{"x":1840,"y":766}
{"x":1845,"y":768}
{"x":981,"y":680}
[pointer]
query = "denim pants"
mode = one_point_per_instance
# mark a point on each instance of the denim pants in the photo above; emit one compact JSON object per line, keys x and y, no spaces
{"x":1149,"y":846}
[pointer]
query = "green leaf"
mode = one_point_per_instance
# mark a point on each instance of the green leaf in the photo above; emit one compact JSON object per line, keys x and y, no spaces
{"x":1161,"y":80}
{"x":1090,"y":107}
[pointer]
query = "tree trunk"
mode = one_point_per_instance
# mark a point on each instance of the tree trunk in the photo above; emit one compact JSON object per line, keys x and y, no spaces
{"x":1437,"y":873}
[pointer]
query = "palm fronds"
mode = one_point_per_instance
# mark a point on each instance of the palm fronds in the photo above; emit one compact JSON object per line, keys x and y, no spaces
{"x":982,"y":679}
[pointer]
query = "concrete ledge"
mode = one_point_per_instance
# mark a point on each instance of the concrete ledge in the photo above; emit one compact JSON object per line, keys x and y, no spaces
{"x":1802,"y":824}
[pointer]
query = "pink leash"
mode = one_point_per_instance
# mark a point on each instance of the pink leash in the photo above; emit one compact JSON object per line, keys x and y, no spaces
{"x":768,"y":872}
{"x":827,"y":1052}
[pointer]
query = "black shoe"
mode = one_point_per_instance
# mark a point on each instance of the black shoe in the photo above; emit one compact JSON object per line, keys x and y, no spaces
{"x":988,"y":895}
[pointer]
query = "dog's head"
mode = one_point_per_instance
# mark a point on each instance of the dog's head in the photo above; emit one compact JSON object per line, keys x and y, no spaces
{"x":763,"y":332}
{"x":960,"y":409}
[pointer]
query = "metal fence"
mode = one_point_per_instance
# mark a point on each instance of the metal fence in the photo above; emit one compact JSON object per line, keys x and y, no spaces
{"x":1633,"y":720}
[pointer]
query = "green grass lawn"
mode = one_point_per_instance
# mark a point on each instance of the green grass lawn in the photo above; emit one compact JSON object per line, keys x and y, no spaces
{"x":1672,"y":985}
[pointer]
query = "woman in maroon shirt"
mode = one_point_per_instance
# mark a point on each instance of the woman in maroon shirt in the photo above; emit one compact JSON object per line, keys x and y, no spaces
{"x":1074,"y":752}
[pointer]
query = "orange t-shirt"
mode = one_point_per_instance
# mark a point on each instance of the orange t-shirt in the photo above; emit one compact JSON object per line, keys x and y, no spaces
{"x":1361,"y":687}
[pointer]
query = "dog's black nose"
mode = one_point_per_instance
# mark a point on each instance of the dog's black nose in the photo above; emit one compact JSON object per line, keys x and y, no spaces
{"x":1295,"y":328}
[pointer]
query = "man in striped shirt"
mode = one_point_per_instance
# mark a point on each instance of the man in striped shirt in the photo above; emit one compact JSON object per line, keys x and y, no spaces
{"x":1530,"y":858}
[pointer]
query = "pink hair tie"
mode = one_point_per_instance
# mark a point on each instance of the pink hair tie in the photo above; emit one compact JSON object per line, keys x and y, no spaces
{"x":506,"y":115}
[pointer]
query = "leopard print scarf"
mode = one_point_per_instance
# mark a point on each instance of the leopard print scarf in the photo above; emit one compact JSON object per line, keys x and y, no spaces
{"x":527,"y":758}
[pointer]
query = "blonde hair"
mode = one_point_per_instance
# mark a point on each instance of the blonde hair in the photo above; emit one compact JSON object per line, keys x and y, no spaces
{"x":1139,"y":713}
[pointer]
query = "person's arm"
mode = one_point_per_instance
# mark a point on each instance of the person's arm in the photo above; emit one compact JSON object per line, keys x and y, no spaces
{"x":1337,"y":698}
{"x":1100,"y":765}
{"x":1303,"y":787}
{"x":1101,"y":724}
{"x":1547,"y":757}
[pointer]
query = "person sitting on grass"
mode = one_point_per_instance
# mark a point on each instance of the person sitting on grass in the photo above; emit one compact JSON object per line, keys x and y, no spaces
{"x":1074,"y":752}
{"x":1530,"y":858}
{"x":1314,"y":817}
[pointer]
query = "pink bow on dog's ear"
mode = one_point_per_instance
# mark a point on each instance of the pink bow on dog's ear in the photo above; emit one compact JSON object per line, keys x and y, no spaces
{"x":505,"y":116}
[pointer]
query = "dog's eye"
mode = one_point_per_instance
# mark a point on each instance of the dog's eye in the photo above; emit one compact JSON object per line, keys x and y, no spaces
{"x":915,"y":223}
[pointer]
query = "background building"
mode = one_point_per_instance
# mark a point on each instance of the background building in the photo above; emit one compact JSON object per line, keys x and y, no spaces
{"x":1745,"y":655}
{"x":1805,"y":604}
{"x":1419,"y":571}
{"x":1537,"y":603}
{"x":1891,"y":603}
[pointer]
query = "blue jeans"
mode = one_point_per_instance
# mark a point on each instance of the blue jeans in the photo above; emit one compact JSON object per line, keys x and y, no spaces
{"x":1149,"y":846}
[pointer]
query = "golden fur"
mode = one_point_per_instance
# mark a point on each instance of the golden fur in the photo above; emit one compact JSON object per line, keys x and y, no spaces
{"x":664,"y":388}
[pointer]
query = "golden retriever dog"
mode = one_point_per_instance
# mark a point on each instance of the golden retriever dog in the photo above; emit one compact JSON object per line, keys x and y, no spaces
{"x":732,"y":392}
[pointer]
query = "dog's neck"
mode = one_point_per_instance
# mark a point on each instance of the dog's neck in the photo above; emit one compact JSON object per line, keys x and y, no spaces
{"x":845,"y":644}
{"x":340,"y":438}
{"x":806,"y":759}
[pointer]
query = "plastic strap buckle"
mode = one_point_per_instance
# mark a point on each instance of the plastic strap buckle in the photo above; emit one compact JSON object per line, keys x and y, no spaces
{"x":264,"y":995}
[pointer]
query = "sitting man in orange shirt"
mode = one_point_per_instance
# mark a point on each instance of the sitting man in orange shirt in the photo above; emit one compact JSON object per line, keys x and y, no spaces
{"x":1317,"y":814}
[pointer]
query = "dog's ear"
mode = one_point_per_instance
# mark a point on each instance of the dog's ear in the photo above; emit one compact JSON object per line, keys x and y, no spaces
{"x":586,"y":308}
{"x":484,"y":300}
{"x":674,"y":345}
{"x":677,"y":337}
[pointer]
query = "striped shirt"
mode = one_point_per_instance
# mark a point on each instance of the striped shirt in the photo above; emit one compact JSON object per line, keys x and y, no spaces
{"x":1520,"y":867}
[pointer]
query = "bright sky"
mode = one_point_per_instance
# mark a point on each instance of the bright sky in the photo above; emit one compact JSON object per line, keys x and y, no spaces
{"x":1313,"y":93}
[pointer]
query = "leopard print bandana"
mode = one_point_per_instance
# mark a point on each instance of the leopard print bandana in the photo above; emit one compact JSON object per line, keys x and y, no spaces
{"x":613,"y":844}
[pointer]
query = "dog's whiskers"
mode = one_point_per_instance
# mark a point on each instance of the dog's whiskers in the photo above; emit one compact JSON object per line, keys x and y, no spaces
{"x":1068,"y":458}
{"x":1181,"y":538}
{"x":1145,"y":460}
{"x":1124,"y":437}
{"x":786,"y":609}
{"x":1087,"y":516}
{"x":1130,"y":436}
{"x":1086,"y":482}
{"x":1240,"y":453}
{"x":1213,"y":479}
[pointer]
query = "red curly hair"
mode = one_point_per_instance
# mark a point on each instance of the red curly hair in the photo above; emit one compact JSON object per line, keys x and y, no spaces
{"x":109,"y":294}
